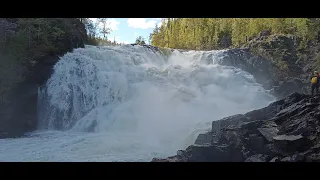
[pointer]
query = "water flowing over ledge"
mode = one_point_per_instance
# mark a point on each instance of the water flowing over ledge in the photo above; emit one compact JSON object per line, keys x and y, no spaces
{"x":131,"y":103}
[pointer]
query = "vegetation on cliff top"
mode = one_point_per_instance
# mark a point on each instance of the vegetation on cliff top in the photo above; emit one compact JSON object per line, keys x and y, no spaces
{"x":26,"y":41}
{"x":29,"y":47}
{"x":217,"y":33}
{"x":287,"y":42}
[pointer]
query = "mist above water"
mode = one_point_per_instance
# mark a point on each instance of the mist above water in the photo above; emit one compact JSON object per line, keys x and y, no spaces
{"x":131,"y":103}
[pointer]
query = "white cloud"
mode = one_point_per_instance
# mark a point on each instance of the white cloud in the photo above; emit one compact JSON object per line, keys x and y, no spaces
{"x":141,"y":23}
{"x":118,"y":40}
{"x":111,"y":23}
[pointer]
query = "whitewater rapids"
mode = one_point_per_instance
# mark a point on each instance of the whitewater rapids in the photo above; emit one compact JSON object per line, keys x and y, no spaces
{"x":131,"y":103}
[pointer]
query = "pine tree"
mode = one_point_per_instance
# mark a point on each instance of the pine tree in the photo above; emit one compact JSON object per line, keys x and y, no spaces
{"x":216,"y":33}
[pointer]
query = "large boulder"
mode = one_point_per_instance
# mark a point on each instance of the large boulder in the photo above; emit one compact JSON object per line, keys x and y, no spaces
{"x":286,"y":130}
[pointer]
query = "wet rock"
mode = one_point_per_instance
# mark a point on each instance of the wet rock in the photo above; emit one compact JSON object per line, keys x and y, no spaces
{"x":286,"y":159}
{"x":235,"y":120}
{"x":246,"y":153}
{"x":269,"y":124}
{"x":229,"y":136}
{"x":215,"y":139}
{"x":294,"y":158}
{"x":271,"y":150}
{"x":179,"y":153}
{"x":206,"y":153}
{"x":287,"y":138}
{"x":255,"y":143}
{"x":268,"y":133}
{"x":275,"y":159}
{"x":256,"y":158}
{"x":297,"y":158}
{"x":170,"y":159}
{"x":290,"y":143}
{"x":214,"y":154}
{"x":159,"y":160}
{"x":204,"y":139}
{"x":313,"y":157}
{"x":253,"y":137}
{"x":251,"y":127}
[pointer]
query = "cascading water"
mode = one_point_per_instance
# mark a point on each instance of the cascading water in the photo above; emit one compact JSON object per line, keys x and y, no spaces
{"x":131,"y":103}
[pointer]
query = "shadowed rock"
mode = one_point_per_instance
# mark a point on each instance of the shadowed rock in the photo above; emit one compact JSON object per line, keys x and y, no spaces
{"x":294,"y":158}
{"x":257,"y":158}
{"x":286,"y":130}
{"x":275,"y":159}
{"x":204,"y":139}
{"x":36,"y":57}
{"x":291,"y":143}
{"x":268,"y":133}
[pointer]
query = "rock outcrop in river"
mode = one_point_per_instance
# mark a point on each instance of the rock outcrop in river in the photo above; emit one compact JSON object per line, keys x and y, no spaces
{"x":286,"y":130}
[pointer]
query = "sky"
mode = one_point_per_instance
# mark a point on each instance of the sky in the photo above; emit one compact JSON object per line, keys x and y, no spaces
{"x":126,"y":30}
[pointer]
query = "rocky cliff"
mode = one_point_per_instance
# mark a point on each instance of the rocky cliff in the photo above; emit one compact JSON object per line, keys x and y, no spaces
{"x":29,"y":48}
{"x":286,"y":130}
{"x":278,"y":62}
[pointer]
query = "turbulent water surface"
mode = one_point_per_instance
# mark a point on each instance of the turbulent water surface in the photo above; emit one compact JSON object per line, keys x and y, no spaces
{"x":131,"y":103}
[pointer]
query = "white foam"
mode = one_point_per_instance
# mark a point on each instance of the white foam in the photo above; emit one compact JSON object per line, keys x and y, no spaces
{"x":138,"y":104}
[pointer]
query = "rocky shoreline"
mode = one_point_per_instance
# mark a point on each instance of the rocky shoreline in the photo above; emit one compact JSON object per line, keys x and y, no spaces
{"x":285,"y":131}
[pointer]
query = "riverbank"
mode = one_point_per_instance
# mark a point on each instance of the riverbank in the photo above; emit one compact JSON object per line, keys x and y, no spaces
{"x":286,"y":130}
{"x":29,"y":49}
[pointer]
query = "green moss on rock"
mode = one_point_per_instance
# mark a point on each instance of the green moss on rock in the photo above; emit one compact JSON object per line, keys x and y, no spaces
{"x":25,"y":44}
{"x":280,"y":49}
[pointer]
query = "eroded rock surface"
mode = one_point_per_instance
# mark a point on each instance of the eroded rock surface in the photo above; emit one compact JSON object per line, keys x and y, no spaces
{"x":285,"y":131}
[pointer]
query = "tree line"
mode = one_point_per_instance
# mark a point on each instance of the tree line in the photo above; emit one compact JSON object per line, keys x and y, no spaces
{"x":218,"y":33}
{"x":98,"y":32}
{"x":26,"y":42}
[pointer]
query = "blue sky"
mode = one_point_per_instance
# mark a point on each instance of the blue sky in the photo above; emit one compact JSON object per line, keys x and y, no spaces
{"x":126,"y":30}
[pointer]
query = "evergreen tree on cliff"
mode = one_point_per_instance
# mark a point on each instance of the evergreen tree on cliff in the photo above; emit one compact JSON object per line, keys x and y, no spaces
{"x":217,"y":33}
{"x":29,"y":47}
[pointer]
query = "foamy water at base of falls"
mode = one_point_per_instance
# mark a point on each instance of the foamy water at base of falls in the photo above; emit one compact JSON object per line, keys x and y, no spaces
{"x":130,"y":103}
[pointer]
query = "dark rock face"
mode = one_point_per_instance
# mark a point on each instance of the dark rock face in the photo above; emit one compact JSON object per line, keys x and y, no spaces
{"x":204,"y":138}
{"x":257,"y":158}
{"x":275,"y":159}
{"x":286,"y":130}
{"x":266,"y":72}
{"x":277,"y":62}
{"x":206,"y":153}
{"x":18,"y":114}
{"x":153,"y":48}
